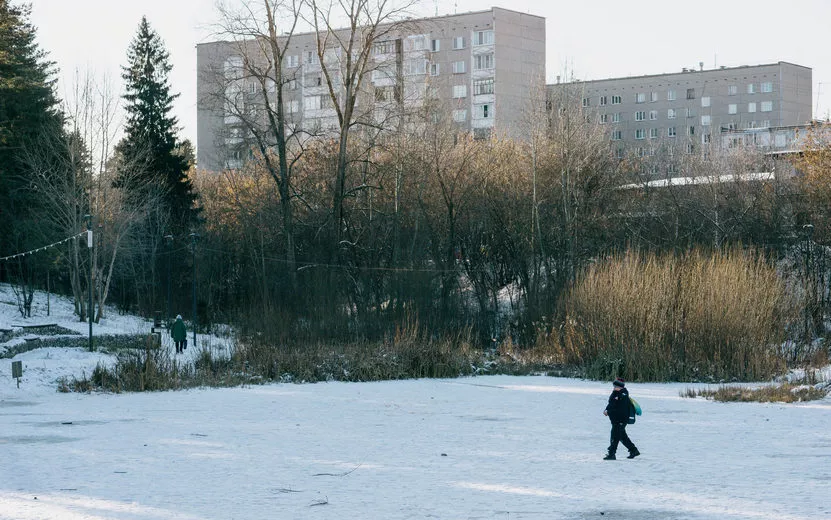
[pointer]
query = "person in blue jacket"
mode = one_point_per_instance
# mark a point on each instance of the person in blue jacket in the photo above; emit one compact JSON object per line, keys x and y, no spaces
{"x":618,"y":412}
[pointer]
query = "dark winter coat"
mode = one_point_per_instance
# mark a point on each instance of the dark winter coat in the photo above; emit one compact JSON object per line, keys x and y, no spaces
{"x":618,"y":407}
{"x":179,"y":331}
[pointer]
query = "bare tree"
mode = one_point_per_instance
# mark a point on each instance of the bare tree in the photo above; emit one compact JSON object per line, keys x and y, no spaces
{"x":262,"y":33}
{"x":345,"y":58}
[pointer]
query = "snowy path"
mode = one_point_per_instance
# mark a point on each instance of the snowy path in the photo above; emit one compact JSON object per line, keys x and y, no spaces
{"x":515,"y":448}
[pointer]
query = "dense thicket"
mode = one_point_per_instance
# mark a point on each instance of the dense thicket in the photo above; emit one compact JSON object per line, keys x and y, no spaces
{"x":28,"y":112}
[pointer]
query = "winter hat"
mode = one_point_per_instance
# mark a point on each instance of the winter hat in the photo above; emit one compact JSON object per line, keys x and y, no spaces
{"x":619,"y":382}
{"x":178,"y":316}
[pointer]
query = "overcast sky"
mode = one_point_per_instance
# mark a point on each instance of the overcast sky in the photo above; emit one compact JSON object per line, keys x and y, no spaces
{"x":598,"y":39}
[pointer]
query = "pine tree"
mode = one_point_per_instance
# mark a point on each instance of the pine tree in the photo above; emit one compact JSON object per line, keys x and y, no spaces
{"x":28,"y":111}
{"x":150,"y":143}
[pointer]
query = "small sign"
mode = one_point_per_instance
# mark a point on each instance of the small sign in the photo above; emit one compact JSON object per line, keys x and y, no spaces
{"x":17,"y":369}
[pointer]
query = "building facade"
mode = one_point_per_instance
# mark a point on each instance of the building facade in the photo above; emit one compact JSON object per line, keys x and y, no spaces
{"x":688,"y":111}
{"x":481,"y":65}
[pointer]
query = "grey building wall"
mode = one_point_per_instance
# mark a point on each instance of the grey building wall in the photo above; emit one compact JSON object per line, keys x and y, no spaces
{"x":499,"y":55}
{"x":690,"y":109}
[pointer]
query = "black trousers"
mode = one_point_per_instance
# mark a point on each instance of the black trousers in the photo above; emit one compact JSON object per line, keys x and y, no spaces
{"x":619,"y":436}
{"x":180,"y":345}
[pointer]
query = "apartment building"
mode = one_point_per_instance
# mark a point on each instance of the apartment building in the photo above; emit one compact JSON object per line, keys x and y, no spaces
{"x":687,"y":111}
{"x":481,"y":65}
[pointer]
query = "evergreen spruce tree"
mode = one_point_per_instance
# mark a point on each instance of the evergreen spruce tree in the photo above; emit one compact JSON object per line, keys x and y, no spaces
{"x":28,"y":111}
{"x":150,"y":145}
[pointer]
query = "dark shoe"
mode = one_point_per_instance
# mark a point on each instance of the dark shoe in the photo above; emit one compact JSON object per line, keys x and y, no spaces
{"x":610,"y":456}
{"x":633,"y":454}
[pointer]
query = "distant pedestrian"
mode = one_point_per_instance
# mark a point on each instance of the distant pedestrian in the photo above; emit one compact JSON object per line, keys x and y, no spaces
{"x":179,"y":333}
{"x":618,"y":412}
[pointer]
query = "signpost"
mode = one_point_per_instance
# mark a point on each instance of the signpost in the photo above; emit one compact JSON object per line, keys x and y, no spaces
{"x":17,"y":371}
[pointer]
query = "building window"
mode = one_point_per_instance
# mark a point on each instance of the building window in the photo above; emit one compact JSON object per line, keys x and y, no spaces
{"x":585,"y":101}
{"x":705,"y":139}
{"x":671,"y":113}
{"x":767,"y":87}
{"x":767,"y":106}
{"x":619,"y":153}
{"x":691,"y":130}
{"x":603,"y":101}
{"x":458,"y":67}
{"x":641,"y":151}
{"x":732,"y":90}
{"x":435,"y":45}
{"x":383,"y":47}
{"x":458,"y":42}
{"x":459,"y":91}
{"x":616,"y":117}
{"x":312,"y":80}
{"x":617,"y":135}
{"x":670,"y":95}
{"x":434,"y":69}
{"x":705,"y":101}
{"x":604,"y":118}
{"x":690,"y":148}
{"x":766,"y":123}
{"x":293,"y":106}
{"x":311,"y":103}
{"x":311,"y":58}
{"x":690,"y":112}
{"x":460,"y":115}
{"x":385,"y":94}
{"x":653,"y":115}
{"x":705,"y":120}
{"x":483,"y":86}
{"x":751,"y":88}
{"x":484,"y":111}
{"x":690,"y":93}
{"x":653,"y":133}
{"x":417,"y":67}
{"x":616,"y":100}
{"x":751,"y":107}
{"x":640,"y":133}
{"x":640,"y":97}
{"x":292,"y":61}
{"x":653,"y":97}
{"x":483,"y":38}
{"x":732,"y":108}
{"x":640,"y":116}
{"x":671,"y":131}
{"x":483,"y":61}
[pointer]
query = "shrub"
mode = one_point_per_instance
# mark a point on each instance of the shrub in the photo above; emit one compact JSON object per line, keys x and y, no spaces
{"x":786,"y":393}
{"x":693,"y":317}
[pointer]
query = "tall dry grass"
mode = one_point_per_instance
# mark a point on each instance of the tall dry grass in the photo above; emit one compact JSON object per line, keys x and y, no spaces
{"x":698,"y":316}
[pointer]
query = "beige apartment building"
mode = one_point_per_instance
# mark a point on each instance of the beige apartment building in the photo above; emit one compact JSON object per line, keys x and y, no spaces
{"x":481,"y":65}
{"x":687,"y":111}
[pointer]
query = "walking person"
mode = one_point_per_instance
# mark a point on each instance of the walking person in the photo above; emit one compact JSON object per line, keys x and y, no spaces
{"x":618,"y":412}
{"x":179,"y":333}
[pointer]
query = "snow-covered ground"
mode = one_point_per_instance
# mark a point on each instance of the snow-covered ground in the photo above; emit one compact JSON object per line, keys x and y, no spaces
{"x":495,"y":447}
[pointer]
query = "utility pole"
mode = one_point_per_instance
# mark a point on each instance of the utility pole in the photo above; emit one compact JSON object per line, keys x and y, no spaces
{"x":89,"y":247}
{"x":168,"y":240}
{"x":193,"y":237}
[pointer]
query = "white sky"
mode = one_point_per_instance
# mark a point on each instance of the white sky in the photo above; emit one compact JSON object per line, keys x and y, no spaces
{"x":600,"y":39}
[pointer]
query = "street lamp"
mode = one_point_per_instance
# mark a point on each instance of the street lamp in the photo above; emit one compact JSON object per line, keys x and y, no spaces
{"x":193,"y":237}
{"x":88,"y":218}
{"x":168,"y":240}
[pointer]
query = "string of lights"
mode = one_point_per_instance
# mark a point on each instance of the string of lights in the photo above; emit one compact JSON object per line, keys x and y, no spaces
{"x":39,"y":249}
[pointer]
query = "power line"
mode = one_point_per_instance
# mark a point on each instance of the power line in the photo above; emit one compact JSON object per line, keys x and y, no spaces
{"x":307,"y":265}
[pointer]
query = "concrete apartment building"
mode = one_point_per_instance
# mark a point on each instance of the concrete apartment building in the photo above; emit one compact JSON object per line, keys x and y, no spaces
{"x":481,"y":65}
{"x":691,"y":109}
